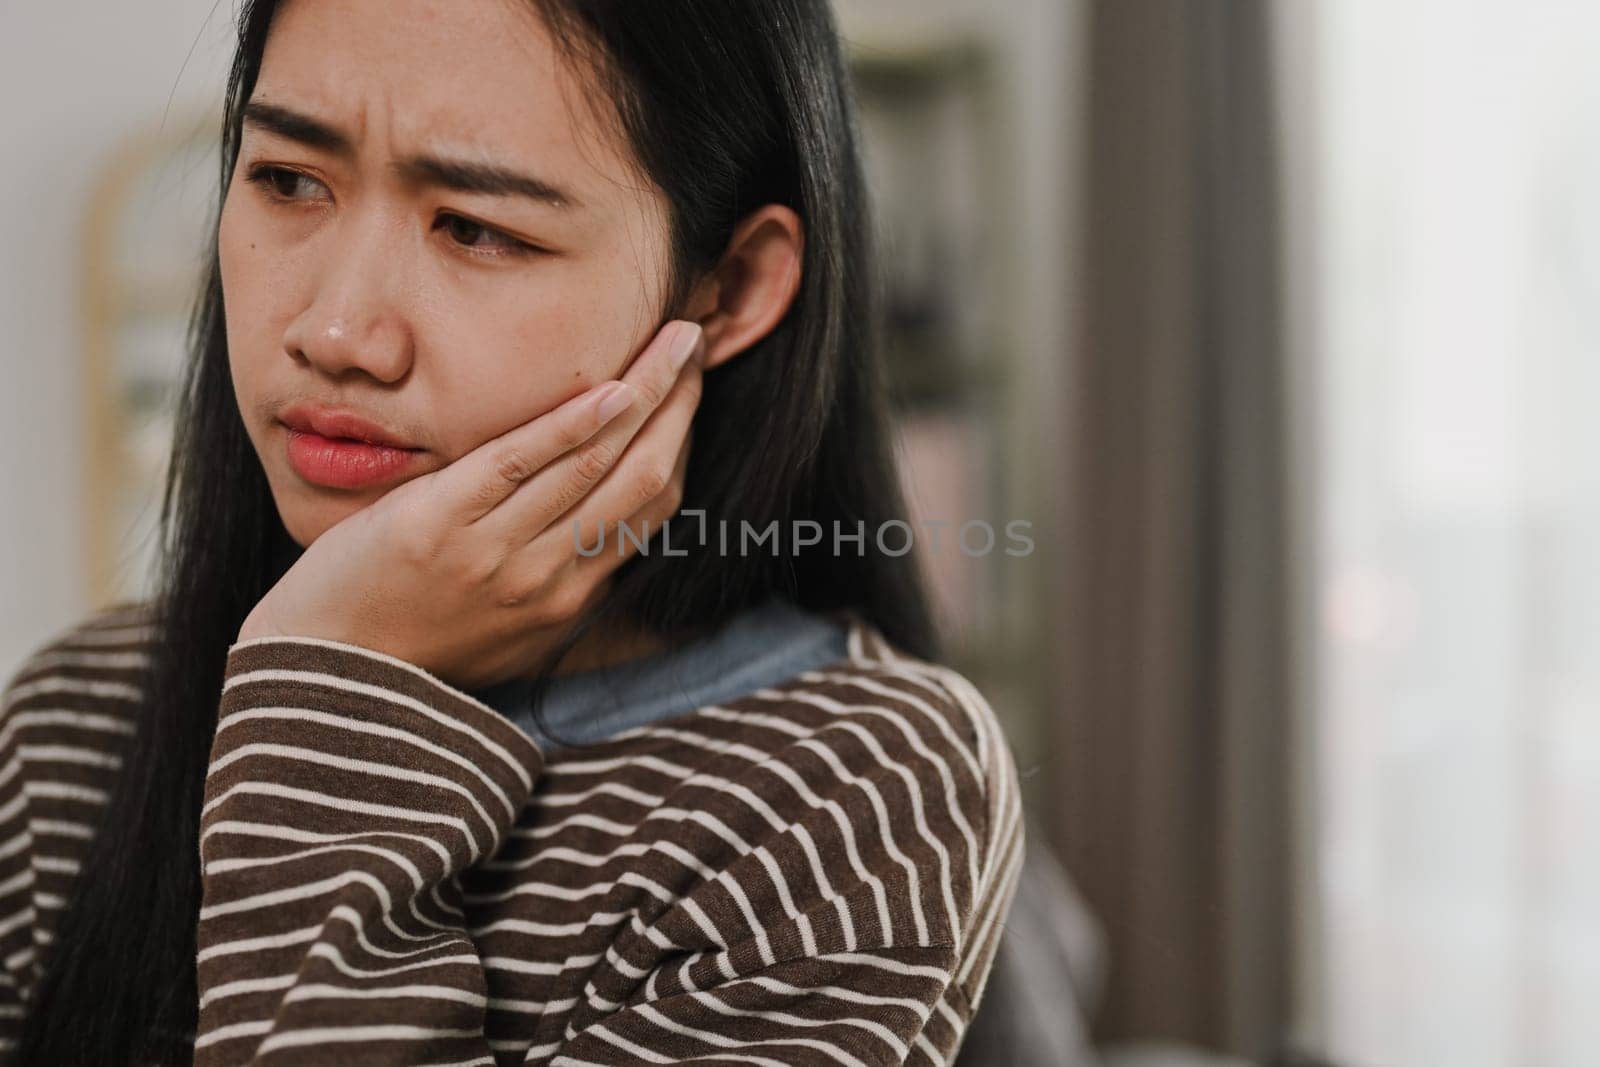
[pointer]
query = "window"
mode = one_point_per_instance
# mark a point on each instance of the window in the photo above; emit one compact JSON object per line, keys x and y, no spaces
{"x":1444,"y":177}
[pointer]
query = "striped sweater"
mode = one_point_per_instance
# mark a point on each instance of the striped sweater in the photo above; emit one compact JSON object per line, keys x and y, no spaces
{"x":393,"y":872}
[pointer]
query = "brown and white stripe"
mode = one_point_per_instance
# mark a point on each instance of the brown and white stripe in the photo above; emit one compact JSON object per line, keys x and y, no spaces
{"x":814,"y":873}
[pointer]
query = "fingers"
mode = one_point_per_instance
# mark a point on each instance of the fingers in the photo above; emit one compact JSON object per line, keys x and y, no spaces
{"x":594,"y":495}
{"x":645,"y":490}
{"x":658,"y":369}
{"x":482,"y":480}
{"x":604,"y":554}
{"x":668,"y":392}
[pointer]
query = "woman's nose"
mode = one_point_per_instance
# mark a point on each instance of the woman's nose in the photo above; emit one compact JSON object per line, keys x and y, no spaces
{"x":355,"y":317}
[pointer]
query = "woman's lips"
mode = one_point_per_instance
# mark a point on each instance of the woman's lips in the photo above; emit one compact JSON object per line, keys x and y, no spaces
{"x":342,"y":463}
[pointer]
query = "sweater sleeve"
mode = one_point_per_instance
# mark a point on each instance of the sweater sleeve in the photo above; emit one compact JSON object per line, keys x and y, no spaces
{"x":347,"y":792}
{"x":880,"y":1006}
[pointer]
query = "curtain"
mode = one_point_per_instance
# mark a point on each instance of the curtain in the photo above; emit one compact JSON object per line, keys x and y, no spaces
{"x":1172,"y":792}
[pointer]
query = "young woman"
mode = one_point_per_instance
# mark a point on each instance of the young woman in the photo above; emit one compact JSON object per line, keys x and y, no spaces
{"x":416,"y":757}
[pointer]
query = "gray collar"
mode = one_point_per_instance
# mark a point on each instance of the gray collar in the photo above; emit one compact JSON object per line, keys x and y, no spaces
{"x":758,"y":647}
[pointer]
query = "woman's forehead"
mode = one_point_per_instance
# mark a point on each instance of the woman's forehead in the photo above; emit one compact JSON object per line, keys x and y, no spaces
{"x":473,"y":79}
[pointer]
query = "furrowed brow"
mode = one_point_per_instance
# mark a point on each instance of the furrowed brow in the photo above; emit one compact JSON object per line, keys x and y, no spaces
{"x":488,"y":179}
{"x":294,"y":126}
{"x":458,"y":175}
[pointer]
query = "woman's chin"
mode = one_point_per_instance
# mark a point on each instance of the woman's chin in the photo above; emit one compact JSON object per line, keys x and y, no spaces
{"x":307,"y":520}
{"x":309,"y":511}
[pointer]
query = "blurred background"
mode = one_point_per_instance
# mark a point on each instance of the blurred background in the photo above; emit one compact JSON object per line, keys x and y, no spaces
{"x":1278,"y":322}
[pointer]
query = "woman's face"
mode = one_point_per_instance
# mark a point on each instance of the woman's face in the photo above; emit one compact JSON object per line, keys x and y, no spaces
{"x":430,"y":227}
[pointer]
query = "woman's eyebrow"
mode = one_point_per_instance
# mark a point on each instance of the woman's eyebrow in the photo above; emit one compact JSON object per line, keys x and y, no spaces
{"x":460,"y":175}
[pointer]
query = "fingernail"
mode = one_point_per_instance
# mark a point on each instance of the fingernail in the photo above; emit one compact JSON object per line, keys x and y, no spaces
{"x":683,"y":344}
{"x":617,"y":398}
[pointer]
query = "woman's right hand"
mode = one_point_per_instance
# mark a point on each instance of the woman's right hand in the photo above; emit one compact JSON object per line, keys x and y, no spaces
{"x":472,"y":571}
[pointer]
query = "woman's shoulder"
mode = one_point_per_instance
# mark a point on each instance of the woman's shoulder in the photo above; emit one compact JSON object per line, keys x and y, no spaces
{"x":892,"y":767}
{"x":94,"y":665}
{"x":988,"y":830}
{"x":67,"y":715}
{"x":916,"y":739}
{"x":938,"y":701}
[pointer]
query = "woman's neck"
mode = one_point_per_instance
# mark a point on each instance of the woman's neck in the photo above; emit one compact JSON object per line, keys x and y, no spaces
{"x":609,"y":642}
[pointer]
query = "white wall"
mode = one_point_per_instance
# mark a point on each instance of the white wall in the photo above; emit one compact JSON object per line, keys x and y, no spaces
{"x":75,"y":78}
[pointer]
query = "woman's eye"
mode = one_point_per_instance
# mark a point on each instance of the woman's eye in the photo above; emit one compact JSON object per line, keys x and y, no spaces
{"x":467,"y":233}
{"x":280,"y":182}
{"x":291,"y":186}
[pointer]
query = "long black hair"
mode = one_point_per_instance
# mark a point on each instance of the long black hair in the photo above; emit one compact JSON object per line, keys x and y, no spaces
{"x":727,"y":105}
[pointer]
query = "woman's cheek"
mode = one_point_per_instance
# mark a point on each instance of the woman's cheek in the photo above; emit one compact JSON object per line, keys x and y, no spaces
{"x":251,"y":288}
{"x":489,"y":381}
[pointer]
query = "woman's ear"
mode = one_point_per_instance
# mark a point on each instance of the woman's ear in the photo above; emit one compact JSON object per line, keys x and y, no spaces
{"x":750,"y":290}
